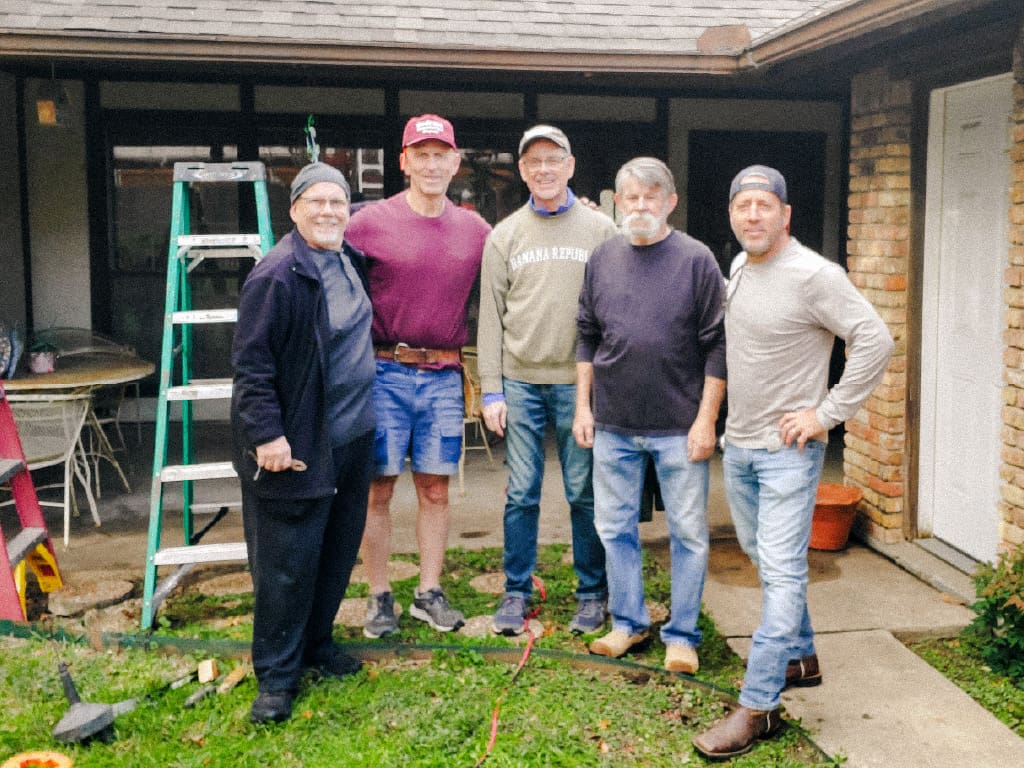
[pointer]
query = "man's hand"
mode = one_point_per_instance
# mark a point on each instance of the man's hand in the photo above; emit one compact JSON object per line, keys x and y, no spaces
{"x":583,"y":428}
{"x":800,"y":426}
{"x":275,"y":456}
{"x":700,"y":441}
{"x":495,"y":416}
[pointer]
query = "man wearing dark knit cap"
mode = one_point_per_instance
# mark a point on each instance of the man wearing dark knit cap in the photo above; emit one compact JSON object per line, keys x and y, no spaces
{"x":303,"y":425}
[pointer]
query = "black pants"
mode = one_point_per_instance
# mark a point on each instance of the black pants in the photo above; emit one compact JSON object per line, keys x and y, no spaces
{"x":301,"y":554}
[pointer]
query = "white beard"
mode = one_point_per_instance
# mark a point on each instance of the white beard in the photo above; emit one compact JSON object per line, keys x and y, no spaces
{"x":643,"y":226}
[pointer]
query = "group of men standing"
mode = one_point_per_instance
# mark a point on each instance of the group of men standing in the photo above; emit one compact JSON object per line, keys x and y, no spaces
{"x":347,"y":358}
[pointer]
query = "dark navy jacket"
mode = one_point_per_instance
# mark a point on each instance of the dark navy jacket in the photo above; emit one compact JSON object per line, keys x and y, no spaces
{"x":278,"y":362}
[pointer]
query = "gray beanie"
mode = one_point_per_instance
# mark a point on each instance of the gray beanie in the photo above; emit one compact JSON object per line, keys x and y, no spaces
{"x":315,"y":173}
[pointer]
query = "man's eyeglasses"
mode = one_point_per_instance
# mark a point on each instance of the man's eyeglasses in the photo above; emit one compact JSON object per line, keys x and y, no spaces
{"x":322,"y":202}
{"x":536,"y":163}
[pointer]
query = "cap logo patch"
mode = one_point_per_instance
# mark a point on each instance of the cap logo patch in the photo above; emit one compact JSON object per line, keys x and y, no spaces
{"x":429,"y":127}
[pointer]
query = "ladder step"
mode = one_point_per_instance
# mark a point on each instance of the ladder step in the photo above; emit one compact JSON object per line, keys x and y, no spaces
{"x":210,"y":471}
{"x":24,"y":542}
{"x":210,"y":507}
{"x":223,"y":172}
{"x":233,"y":240}
{"x":201,"y":389}
{"x":205,"y":316}
{"x":9,"y":468}
{"x":201,"y":553}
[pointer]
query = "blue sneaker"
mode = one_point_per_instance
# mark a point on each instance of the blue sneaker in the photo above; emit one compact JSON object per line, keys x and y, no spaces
{"x":590,"y":617}
{"x":510,"y":618}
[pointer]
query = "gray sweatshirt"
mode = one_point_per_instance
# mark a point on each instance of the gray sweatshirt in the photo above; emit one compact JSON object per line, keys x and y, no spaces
{"x":529,"y":289}
{"x":781,"y":318}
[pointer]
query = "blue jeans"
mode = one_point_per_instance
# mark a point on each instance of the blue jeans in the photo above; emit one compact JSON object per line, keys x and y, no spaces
{"x":619,"y":465}
{"x":420,"y":412}
{"x":771,"y":496}
{"x":530,"y":408}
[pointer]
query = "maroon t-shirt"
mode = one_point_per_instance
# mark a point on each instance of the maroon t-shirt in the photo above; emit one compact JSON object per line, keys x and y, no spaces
{"x":421,"y":270}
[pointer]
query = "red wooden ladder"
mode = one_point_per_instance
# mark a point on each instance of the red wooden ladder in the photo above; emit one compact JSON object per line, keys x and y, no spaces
{"x":32,"y":545}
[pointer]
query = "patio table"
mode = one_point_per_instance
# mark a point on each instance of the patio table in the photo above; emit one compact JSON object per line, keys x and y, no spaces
{"x":87,"y":372}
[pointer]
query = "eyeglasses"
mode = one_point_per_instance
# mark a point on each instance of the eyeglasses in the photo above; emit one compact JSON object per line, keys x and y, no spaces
{"x":322,"y":202}
{"x":554,"y":162}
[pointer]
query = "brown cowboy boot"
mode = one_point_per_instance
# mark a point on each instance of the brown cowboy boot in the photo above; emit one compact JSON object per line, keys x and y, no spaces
{"x":737,"y":733}
{"x":804,"y":672}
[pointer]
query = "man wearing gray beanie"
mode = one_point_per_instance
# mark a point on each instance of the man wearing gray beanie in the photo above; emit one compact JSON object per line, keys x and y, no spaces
{"x":303,"y":426}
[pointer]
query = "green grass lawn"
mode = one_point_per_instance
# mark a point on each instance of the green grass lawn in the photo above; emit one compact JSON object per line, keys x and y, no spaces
{"x":959,"y":660}
{"x":424,"y":699}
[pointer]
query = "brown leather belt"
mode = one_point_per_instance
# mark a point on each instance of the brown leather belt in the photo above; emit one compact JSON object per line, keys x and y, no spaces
{"x":406,"y":355}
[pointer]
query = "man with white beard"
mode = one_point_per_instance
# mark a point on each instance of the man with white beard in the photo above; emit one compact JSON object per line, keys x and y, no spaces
{"x":650,"y":376}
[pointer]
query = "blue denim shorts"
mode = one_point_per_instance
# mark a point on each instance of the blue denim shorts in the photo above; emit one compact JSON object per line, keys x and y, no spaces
{"x":419,"y":414}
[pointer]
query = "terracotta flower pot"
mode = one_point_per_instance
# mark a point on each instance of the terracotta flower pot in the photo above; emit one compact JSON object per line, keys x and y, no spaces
{"x":834,"y":511}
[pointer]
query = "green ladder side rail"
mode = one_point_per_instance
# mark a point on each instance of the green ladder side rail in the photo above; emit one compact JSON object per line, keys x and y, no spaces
{"x":185,"y":252}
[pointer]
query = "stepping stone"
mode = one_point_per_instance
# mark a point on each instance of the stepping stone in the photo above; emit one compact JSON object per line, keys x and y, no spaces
{"x":78,"y":596}
{"x":658,"y":611}
{"x":398,"y":570}
{"x":226,"y":584}
{"x":480,"y":626}
{"x":489,"y":583}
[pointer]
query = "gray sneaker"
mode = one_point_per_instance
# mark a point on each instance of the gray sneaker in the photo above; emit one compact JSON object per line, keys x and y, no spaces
{"x":433,"y":607}
{"x":510,"y":618}
{"x":380,"y":616}
{"x":589,"y":617}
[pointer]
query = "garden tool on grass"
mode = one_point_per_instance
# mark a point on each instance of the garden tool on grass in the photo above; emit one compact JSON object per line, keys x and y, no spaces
{"x":83,"y":720}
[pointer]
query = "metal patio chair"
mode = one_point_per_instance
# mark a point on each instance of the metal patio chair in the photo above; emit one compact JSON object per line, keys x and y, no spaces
{"x":50,"y":428}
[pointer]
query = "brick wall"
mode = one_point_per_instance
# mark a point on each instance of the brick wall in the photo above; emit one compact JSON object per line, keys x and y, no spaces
{"x":878,"y":252}
{"x":1011,"y":505}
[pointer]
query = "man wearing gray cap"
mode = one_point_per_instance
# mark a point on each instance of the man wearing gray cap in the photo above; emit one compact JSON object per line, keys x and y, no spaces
{"x":303,"y":425}
{"x":530,"y":283}
{"x":784,"y":307}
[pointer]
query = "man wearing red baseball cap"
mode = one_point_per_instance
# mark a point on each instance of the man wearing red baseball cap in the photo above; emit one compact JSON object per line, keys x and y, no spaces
{"x":422,"y":256}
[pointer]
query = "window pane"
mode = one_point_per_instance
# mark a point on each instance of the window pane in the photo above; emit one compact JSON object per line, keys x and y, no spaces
{"x":143,"y":185}
{"x":363,"y":168}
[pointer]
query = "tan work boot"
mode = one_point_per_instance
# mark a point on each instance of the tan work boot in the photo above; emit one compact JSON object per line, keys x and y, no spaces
{"x":681,"y":658}
{"x":616,"y":643}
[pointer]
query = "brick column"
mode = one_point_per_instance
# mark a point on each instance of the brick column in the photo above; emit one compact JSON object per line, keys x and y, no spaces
{"x":1011,"y":471}
{"x":878,"y":252}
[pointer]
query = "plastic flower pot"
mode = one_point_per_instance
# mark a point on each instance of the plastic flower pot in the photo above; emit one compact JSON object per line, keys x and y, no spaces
{"x":834,"y":511}
{"x":42,"y":362}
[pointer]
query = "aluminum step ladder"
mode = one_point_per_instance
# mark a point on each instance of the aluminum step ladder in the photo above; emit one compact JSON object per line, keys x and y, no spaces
{"x":31,"y":546}
{"x":186,"y":251}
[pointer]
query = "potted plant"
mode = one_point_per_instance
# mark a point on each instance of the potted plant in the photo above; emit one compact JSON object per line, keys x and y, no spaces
{"x":42,"y":354}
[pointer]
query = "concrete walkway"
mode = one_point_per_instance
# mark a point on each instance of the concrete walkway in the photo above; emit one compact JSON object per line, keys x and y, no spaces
{"x":879,"y":705}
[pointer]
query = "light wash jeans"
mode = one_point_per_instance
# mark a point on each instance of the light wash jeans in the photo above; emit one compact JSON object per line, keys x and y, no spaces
{"x":530,"y":408}
{"x":771,"y":496}
{"x":619,"y":465}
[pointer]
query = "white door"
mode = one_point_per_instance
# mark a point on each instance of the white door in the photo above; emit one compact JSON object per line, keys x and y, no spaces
{"x":963,"y":306}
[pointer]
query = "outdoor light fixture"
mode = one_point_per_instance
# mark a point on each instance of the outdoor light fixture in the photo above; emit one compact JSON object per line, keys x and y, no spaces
{"x":51,"y":102}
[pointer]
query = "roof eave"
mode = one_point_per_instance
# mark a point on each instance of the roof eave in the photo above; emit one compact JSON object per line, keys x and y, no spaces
{"x":320,"y":54}
{"x":847,"y":24}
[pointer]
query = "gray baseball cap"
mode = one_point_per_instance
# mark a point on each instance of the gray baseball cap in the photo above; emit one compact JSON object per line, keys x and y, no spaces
{"x":775,"y":183}
{"x":548,"y":132}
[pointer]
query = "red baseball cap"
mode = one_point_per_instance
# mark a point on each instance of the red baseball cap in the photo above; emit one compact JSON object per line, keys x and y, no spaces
{"x":428,"y":128}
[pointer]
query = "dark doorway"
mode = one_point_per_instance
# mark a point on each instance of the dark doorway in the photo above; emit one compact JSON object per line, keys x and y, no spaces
{"x":717,"y":156}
